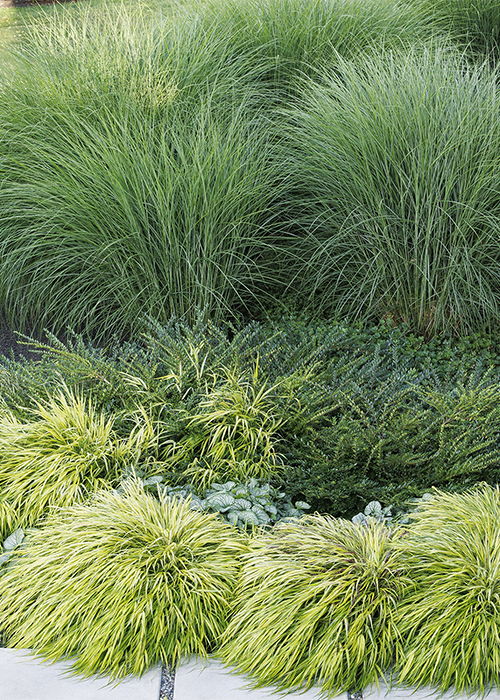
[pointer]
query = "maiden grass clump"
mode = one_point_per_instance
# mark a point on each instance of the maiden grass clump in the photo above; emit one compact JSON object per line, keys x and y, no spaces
{"x":65,"y":452}
{"x":121,"y":583}
{"x":397,"y":203}
{"x":450,"y":619}
{"x":293,"y":38}
{"x":136,"y":177}
{"x":473,"y":24}
{"x":316,"y":604}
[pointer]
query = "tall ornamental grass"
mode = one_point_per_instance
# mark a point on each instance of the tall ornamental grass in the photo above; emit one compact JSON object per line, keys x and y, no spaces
{"x":135,"y":176}
{"x":450,"y":618}
{"x":397,"y":191}
{"x":472,"y":24}
{"x":316,"y":604}
{"x":121,"y":584}
{"x":290,"y":38}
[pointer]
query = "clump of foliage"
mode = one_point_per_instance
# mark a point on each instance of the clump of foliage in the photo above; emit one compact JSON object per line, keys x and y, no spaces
{"x":332,"y":414}
{"x":473,"y":24}
{"x":232,"y":434}
{"x":395,"y":438}
{"x":242,"y":504}
{"x":374,"y":511}
{"x":316,"y":604}
{"x":450,"y":619}
{"x":64,"y":453}
{"x":172,"y":365}
{"x":148,"y":145}
{"x":396,"y":160}
{"x":121,"y":583}
{"x":292,"y":38}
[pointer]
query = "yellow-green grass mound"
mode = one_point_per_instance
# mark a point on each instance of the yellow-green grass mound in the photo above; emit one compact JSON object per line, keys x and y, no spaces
{"x":121,"y":583}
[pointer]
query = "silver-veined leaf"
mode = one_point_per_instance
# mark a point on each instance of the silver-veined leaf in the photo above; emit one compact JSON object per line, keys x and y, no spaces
{"x":14,"y":540}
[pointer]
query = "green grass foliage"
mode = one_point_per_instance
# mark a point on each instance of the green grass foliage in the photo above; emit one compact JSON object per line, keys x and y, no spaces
{"x":450,"y":619}
{"x":64,"y":453}
{"x":291,"y":38}
{"x":135,"y":174}
{"x":316,"y":604}
{"x":396,"y":159}
{"x":473,"y":24}
{"x":121,"y":583}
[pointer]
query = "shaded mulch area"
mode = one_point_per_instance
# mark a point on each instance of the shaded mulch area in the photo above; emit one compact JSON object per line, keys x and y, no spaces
{"x":12,"y":343}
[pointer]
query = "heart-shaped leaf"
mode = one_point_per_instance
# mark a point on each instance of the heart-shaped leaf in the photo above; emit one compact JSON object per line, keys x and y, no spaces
{"x":14,"y":540}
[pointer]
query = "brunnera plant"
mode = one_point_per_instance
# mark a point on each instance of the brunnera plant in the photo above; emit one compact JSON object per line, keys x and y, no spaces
{"x":123,"y":582}
{"x":316,"y":604}
{"x":248,"y":505}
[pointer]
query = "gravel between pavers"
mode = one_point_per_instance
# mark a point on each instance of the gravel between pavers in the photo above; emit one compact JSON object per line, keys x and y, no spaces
{"x":167,"y":683}
{"x":355,"y":695}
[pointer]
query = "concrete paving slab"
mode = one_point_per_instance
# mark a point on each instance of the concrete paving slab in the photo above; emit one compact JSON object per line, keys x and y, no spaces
{"x":210,"y":680}
{"x":25,"y":677}
{"x":395,"y":692}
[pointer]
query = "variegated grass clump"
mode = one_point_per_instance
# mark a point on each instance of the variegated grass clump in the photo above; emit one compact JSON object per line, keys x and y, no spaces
{"x":121,"y":583}
{"x":66,"y":452}
{"x":450,"y":620}
{"x":316,"y":604}
{"x":234,"y":433}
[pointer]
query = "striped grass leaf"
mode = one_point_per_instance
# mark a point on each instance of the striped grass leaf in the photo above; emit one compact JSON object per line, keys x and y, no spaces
{"x":67,"y":451}
{"x":316,"y":604}
{"x":8,"y":518}
{"x":450,"y":618}
{"x":122,"y":583}
{"x":233,"y":434}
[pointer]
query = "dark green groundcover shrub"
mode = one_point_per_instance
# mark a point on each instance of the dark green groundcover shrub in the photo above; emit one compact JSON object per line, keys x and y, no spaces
{"x":358,"y":413}
{"x":396,"y":442}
